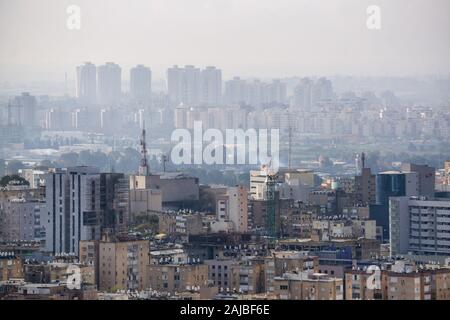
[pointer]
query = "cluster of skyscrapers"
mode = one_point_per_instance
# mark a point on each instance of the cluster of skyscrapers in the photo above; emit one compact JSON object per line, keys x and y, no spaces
{"x":103,"y":85}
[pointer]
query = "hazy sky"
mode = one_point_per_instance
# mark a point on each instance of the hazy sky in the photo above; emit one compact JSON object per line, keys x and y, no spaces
{"x":264,"y":38}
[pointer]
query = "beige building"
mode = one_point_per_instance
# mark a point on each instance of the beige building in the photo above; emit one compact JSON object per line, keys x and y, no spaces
{"x":249,"y":275}
{"x":233,"y":207}
{"x":356,"y":287}
{"x":89,"y":255}
{"x":401,"y":284}
{"x":308,"y":286}
{"x":11,"y":266}
{"x":123,"y":265}
{"x":145,"y":201}
{"x":167,"y":223}
{"x":177,"y":277}
{"x":223,"y":273}
{"x":145,"y":194}
{"x":58,"y":272}
{"x":281,"y":262}
{"x":181,"y":224}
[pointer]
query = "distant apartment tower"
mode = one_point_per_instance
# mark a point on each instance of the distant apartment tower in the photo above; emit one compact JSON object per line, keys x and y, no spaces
{"x":419,"y":225}
{"x":191,"y":86}
{"x":22,"y":110}
{"x":184,"y":85}
{"x":308,"y":94}
{"x":141,"y":84}
{"x":235,"y":91}
{"x":87,"y":83}
{"x":277,"y":92}
{"x":211,"y":86}
{"x":109,"y":84}
{"x":322,"y":91}
{"x":303,"y":95}
{"x":426,"y":175}
{"x":81,"y":204}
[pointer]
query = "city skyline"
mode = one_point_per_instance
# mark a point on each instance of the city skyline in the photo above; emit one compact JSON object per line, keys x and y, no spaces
{"x":244,"y":38}
{"x":240,"y":151}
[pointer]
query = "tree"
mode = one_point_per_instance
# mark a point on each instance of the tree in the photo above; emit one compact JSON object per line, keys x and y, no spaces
{"x":68,"y":159}
{"x":2,"y":168}
{"x":18,"y":180}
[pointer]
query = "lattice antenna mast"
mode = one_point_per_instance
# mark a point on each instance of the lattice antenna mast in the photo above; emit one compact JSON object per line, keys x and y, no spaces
{"x":143,"y":167}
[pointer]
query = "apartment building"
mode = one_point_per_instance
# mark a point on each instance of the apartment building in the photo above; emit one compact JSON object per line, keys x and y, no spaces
{"x":11,"y":266}
{"x":20,"y":219}
{"x":80,"y":204}
{"x":400,"y":281}
{"x":123,"y":265}
{"x":420,"y":225}
{"x":233,"y":207}
{"x":177,"y":277}
{"x":308,"y":286}
{"x":281,"y":262}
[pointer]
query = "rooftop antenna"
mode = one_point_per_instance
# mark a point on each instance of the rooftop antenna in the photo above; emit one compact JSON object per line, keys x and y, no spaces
{"x":363,"y":160}
{"x":143,"y":167}
{"x":164,"y":161}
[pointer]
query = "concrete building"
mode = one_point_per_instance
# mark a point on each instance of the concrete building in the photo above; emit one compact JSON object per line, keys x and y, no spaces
{"x":20,"y":219}
{"x":176,"y":189}
{"x":80,"y":205}
{"x":211,"y":86}
{"x":419,"y":225}
{"x":144,"y":201}
{"x":391,"y":184}
{"x":141,"y":85}
{"x":426,"y":176}
{"x":398,"y":282}
{"x":184,"y":85}
{"x":223,"y":273}
{"x":123,"y":265}
{"x":22,"y":111}
{"x":365,"y":190}
{"x":238,"y":208}
{"x":173,"y":278}
{"x":109,"y":84}
{"x":297,"y":182}
{"x":36,"y":178}
{"x":11,"y":266}
{"x":189,"y":224}
{"x":249,"y":275}
{"x":57,"y":271}
{"x":308,"y":286}
{"x":87,"y":83}
{"x":233,"y":207}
